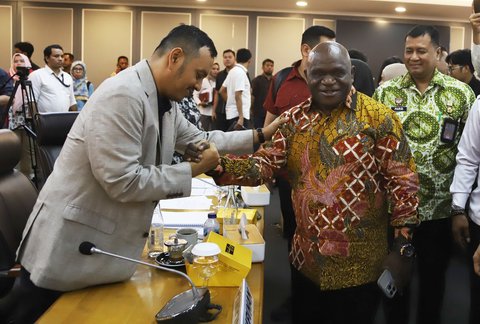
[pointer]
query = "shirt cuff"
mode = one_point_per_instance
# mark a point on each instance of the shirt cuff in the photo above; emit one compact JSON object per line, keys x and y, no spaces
{"x":460,"y":199}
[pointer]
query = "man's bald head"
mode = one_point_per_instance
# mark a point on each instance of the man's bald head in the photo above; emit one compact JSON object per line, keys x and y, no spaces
{"x":329,"y":75}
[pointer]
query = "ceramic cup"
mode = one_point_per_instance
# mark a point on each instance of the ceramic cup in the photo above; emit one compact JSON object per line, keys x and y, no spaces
{"x":188,"y":234}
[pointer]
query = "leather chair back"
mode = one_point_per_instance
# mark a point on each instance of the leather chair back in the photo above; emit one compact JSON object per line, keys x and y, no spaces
{"x":52,"y":131}
{"x":17,"y":198}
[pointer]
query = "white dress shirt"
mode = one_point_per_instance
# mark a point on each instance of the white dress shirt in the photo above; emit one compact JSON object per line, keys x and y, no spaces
{"x":476,"y":58}
{"x":468,"y":161}
{"x":53,"y":92}
{"x":237,"y":80}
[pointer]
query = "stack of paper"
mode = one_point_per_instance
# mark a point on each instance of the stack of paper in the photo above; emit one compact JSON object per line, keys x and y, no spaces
{"x":203,"y":187}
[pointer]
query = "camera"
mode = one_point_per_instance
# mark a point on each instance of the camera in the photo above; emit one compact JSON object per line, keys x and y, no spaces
{"x":22,"y":72}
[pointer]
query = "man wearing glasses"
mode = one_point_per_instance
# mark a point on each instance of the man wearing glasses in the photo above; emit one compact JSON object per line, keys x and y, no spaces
{"x":52,"y":86}
{"x":461,"y":68}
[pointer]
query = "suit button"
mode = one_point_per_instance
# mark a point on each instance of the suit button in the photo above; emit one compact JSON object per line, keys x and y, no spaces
{"x":145,"y":234}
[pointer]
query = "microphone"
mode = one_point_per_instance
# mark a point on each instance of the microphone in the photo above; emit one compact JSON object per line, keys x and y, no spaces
{"x":88,"y":248}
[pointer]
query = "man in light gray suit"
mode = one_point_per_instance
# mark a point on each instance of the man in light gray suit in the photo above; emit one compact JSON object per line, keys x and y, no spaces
{"x":113,"y":168}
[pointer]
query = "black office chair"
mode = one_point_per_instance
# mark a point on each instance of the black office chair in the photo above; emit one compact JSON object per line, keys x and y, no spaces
{"x":52,"y":130}
{"x":17,"y":198}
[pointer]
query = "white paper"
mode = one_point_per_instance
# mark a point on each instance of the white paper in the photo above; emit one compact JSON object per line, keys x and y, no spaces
{"x":191,"y":203}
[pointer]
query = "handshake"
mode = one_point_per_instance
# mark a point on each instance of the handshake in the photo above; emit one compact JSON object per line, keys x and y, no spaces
{"x":203,"y":157}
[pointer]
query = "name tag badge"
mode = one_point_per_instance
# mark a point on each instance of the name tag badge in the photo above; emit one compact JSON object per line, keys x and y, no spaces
{"x":399,"y":107}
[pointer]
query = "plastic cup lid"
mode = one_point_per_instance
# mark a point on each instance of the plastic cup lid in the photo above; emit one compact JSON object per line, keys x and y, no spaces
{"x":206,"y":249}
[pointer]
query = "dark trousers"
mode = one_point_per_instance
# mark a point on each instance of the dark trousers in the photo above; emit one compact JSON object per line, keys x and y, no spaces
{"x":343,"y":306}
{"x":233,"y":122}
{"x":433,"y":244}
{"x":220,"y":122}
{"x":289,"y":223}
{"x":206,"y":122}
{"x":26,"y":302}
{"x":474,"y":278}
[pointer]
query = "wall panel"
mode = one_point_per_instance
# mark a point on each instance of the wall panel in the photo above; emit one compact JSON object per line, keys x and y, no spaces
{"x":326,"y":22}
{"x":457,"y":38}
{"x":106,"y":34}
{"x":156,"y":25}
{"x":278,"y":38}
{"x":5,"y":36}
{"x":44,"y":26}
{"x":226,"y":31}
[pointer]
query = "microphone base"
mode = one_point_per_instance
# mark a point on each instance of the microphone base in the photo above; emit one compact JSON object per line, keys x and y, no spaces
{"x":184,"y":308}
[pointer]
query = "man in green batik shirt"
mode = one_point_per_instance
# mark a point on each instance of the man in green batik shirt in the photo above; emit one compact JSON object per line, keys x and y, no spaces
{"x":432,"y":107}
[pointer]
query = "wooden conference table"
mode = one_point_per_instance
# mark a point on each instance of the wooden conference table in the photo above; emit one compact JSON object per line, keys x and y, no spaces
{"x":140,"y":298}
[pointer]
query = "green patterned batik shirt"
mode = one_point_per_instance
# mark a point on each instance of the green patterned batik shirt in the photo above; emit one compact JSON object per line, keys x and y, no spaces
{"x":423,"y":118}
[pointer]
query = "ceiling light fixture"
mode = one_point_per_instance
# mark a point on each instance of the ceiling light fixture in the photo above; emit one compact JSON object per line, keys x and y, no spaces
{"x":400,"y":9}
{"x":201,"y":0}
{"x":302,"y":3}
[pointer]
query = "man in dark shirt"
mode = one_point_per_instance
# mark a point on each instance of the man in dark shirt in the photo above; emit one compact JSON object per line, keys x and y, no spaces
{"x":260,"y":86}
{"x":6,"y":88}
{"x":219,"y":118}
{"x":461,"y":68}
{"x":27,"y":49}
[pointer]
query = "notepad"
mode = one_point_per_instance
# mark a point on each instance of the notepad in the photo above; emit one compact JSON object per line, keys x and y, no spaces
{"x":195,"y":203}
{"x":184,"y":219}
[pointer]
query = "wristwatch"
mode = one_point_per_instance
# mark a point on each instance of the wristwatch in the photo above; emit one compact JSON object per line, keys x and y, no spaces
{"x":407,"y":250}
{"x":261,"y":137}
{"x":457,"y":210}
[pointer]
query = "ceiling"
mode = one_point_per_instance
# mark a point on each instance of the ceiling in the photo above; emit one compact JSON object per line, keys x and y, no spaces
{"x":438,"y":10}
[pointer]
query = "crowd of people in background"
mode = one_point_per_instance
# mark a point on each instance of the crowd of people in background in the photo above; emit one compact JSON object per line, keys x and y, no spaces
{"x":355,"y":152}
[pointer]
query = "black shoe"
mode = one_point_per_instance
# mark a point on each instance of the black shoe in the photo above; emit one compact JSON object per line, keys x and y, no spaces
{"x":283,"y":312}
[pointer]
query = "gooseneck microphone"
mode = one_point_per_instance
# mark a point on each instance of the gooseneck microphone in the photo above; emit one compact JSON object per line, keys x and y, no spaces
{"x":88,"y":248}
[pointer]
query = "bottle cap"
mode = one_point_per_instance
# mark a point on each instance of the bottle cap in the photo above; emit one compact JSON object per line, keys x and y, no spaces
{"x":206,"y":249}
{"x":212,"y":215}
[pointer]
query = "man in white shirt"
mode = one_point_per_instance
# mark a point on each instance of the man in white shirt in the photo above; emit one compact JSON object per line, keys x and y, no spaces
{"x":204,"y":97}
{"x":237,"y":90}
{"x":466,"y":216}
{"x":53,"y":88}
{"x":475,"y":22}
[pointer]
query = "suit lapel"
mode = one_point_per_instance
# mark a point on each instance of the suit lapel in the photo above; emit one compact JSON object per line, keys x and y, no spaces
{"x":148,"y":83}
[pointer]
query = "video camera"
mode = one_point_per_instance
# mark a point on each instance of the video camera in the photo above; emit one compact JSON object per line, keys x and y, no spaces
{"x":22,"y":72}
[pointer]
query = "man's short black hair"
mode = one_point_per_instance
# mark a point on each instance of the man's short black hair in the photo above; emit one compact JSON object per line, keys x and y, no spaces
{"x":312,"y":35}
{"x":48,"y":51}
{"x":70,"y":56}
{"x":122,"y":57}
{"x":420,"y":30}
{"x":243,"y":55}
{"x":229,"y":51}
{"x":265,"y":61}
{"x":358,"y":55}
{"x":189,"y":38}
{"x":461,"y":57}
{"x":25,"y":47}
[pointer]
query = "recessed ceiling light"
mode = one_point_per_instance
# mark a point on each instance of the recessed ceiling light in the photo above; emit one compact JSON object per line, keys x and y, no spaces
{"x":302,"y":3}
{"x":400,"y":9}
{"x":201,"y":0}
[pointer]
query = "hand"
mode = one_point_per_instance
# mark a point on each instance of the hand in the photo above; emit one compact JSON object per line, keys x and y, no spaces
{"x":194,"y":151}
{"x":475,"y":22}
{"x":460,"y":230}
{"x":401,"y":267}
{"x":210,"y":160}
{"x":476,"y":261}
{"x":214,"y":114}
{"x":269,"y":130}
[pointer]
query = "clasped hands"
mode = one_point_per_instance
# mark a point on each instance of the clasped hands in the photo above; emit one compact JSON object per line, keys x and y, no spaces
{"x":203,"y":157}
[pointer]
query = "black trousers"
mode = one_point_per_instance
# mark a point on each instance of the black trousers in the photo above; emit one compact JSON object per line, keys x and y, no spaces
{"x":343,"y":306}
{"x":289,"y":223}
{"x":474,"y":278}
{"x":433,"y":244}
{"x":26,"y":302}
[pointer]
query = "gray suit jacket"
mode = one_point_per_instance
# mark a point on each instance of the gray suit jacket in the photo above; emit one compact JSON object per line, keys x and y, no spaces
{"x":112,"y":169}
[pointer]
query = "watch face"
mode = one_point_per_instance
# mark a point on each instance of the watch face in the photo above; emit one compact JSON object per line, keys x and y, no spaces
{"x":407,"y":250}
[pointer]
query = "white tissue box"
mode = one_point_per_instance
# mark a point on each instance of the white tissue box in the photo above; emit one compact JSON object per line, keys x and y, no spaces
{"x":256,"y":196}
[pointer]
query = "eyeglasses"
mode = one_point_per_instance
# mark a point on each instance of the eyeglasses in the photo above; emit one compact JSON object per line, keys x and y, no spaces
{"x":77,"y":69}
{"x":454,"y":67}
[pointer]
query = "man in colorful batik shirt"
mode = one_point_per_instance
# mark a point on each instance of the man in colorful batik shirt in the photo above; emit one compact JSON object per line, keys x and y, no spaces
{"x":345,"y":154}
{"x":432,"y":107}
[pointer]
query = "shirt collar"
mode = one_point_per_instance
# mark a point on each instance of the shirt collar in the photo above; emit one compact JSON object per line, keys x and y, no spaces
{"x":241,"y":66}
{"x":406,"y":80}
{"x":351,"y":99}
{"x":49,"y":70}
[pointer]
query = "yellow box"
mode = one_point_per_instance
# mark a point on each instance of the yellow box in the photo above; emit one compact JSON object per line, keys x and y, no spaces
{"x":235,"y":264}
{"x":255,"y":241}
{"x":250,"y":213}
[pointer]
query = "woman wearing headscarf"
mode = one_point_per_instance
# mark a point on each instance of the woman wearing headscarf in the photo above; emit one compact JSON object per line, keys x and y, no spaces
{"x":82,"y":88}
{"x":19,"y":112}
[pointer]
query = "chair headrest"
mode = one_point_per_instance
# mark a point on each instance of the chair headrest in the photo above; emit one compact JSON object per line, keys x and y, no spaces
{"x":11,"y":150}
{"x":53,"y":128}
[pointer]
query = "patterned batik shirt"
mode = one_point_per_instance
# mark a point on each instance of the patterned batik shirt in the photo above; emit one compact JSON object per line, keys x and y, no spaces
{"x":342,"y":167}
{"x":423,"y":117}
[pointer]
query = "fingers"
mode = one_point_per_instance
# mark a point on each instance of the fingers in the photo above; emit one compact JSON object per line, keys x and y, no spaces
{"x":476,"y":261}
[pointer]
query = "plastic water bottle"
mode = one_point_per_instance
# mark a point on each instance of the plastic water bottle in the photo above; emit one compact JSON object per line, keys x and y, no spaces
{"x":155,"y":238}
{"x":211,"y":225}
